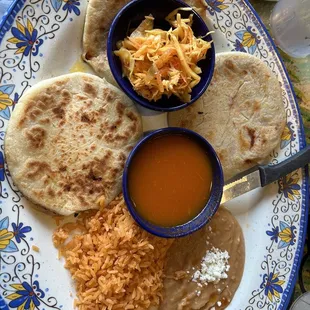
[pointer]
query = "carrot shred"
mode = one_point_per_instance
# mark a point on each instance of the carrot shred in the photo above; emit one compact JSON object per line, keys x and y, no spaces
{"x":159,"y":62}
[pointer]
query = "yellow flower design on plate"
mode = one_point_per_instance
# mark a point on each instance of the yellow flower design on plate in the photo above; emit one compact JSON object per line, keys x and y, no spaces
{"x":27,"y":296}
{"x":5,"y":238}
{"x":287,"y":135}
{"x":247,"y":38}
{"x":25,"y":38}
{"x":6,"y":242}
{"x":5,"y":100}
{"x":217,"y":5}
{"x":286,"y":235}
{"x":273,"y":285}
{"x":289,"y":186}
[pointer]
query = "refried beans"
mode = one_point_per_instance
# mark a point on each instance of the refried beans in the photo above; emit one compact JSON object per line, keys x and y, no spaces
{"x":184,"y":257}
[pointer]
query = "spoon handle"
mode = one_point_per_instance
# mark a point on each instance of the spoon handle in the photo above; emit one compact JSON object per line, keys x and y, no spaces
{"x":269,"y":174}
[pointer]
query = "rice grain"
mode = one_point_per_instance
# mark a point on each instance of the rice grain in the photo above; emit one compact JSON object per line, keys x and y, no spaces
{"x":114,"y":263}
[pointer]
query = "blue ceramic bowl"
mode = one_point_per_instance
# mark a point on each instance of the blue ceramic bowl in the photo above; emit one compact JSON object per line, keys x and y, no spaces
{"x":129,"y":18}
{"x":212,"y":204}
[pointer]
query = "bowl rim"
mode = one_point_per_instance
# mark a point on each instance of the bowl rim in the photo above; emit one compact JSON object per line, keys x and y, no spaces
{"x":135,"y":97}
{"x":213,"y":202}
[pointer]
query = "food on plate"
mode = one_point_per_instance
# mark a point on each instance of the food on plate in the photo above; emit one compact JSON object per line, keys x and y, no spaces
{"x":67,"y":142}
{"x":114,"y":263}
{"x":170,"y":179}
{"x":200,"y":7}
{"x":241,"y":114}
{"x":204,"y":270}
{"x":35,"y":248}
{"x":159,"y":62}
{"x":98,"y":20}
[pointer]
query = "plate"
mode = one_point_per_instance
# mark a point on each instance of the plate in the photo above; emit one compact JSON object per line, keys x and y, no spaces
{"x":42,"y":39}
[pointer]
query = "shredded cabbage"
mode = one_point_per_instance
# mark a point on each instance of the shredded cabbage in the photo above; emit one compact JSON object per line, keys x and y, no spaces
{"x":159,"y":62}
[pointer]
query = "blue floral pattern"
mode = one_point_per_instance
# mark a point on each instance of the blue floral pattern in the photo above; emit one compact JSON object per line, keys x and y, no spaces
{"x":8,"y":90}
{"x":25,"y":296}
{"x":1,"y":168}
{"x":273,"y":234}
{"x":289,"y":186}
{"x":72,"y":6}
{"x":239,"y":46}
{"x":19,"y":231}
{"x":56,"y":4}
{"x":21,"y":51}
{"x":288,"y":135}
{"x":26,"y":39}
{"x":216,"y":6}
{"x":5,"y":100}
{"x":273,"y":286}
{"x":25,"y":293}
{"x":248,"y":39}
{"x":6,"y":236}
{"x":286,"y":234}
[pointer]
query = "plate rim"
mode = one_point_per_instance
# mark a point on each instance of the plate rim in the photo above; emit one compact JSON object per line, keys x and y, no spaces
{"x":10,"y":13}
{"x":286,"y":298}
{"x":8,"y":19}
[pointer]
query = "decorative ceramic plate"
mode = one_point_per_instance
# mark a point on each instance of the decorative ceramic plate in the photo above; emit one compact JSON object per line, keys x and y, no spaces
{"x":40,"y":39}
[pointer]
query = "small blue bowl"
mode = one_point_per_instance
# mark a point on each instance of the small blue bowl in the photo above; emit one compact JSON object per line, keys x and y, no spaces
{"x":212,"y":204}
{"x":129,"y":18}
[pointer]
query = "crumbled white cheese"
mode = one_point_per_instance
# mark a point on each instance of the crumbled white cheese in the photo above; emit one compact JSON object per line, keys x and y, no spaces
{"x":213,"y":267}
{"x":219,"y":303}
{"x":213,"y":308}
{"x":198,"y":293}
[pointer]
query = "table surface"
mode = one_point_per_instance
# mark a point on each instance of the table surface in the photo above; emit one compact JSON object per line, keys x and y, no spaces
{"x":299,"y":71}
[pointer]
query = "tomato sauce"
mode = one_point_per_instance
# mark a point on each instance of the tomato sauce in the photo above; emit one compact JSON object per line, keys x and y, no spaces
{"x":170,"y":179}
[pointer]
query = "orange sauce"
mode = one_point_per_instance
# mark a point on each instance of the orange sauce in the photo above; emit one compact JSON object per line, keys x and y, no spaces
{"x":170,"y":180}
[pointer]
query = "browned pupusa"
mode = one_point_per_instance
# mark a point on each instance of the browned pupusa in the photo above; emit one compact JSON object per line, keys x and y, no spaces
{"x":241,"y":114}
{"x":68,"y":140}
